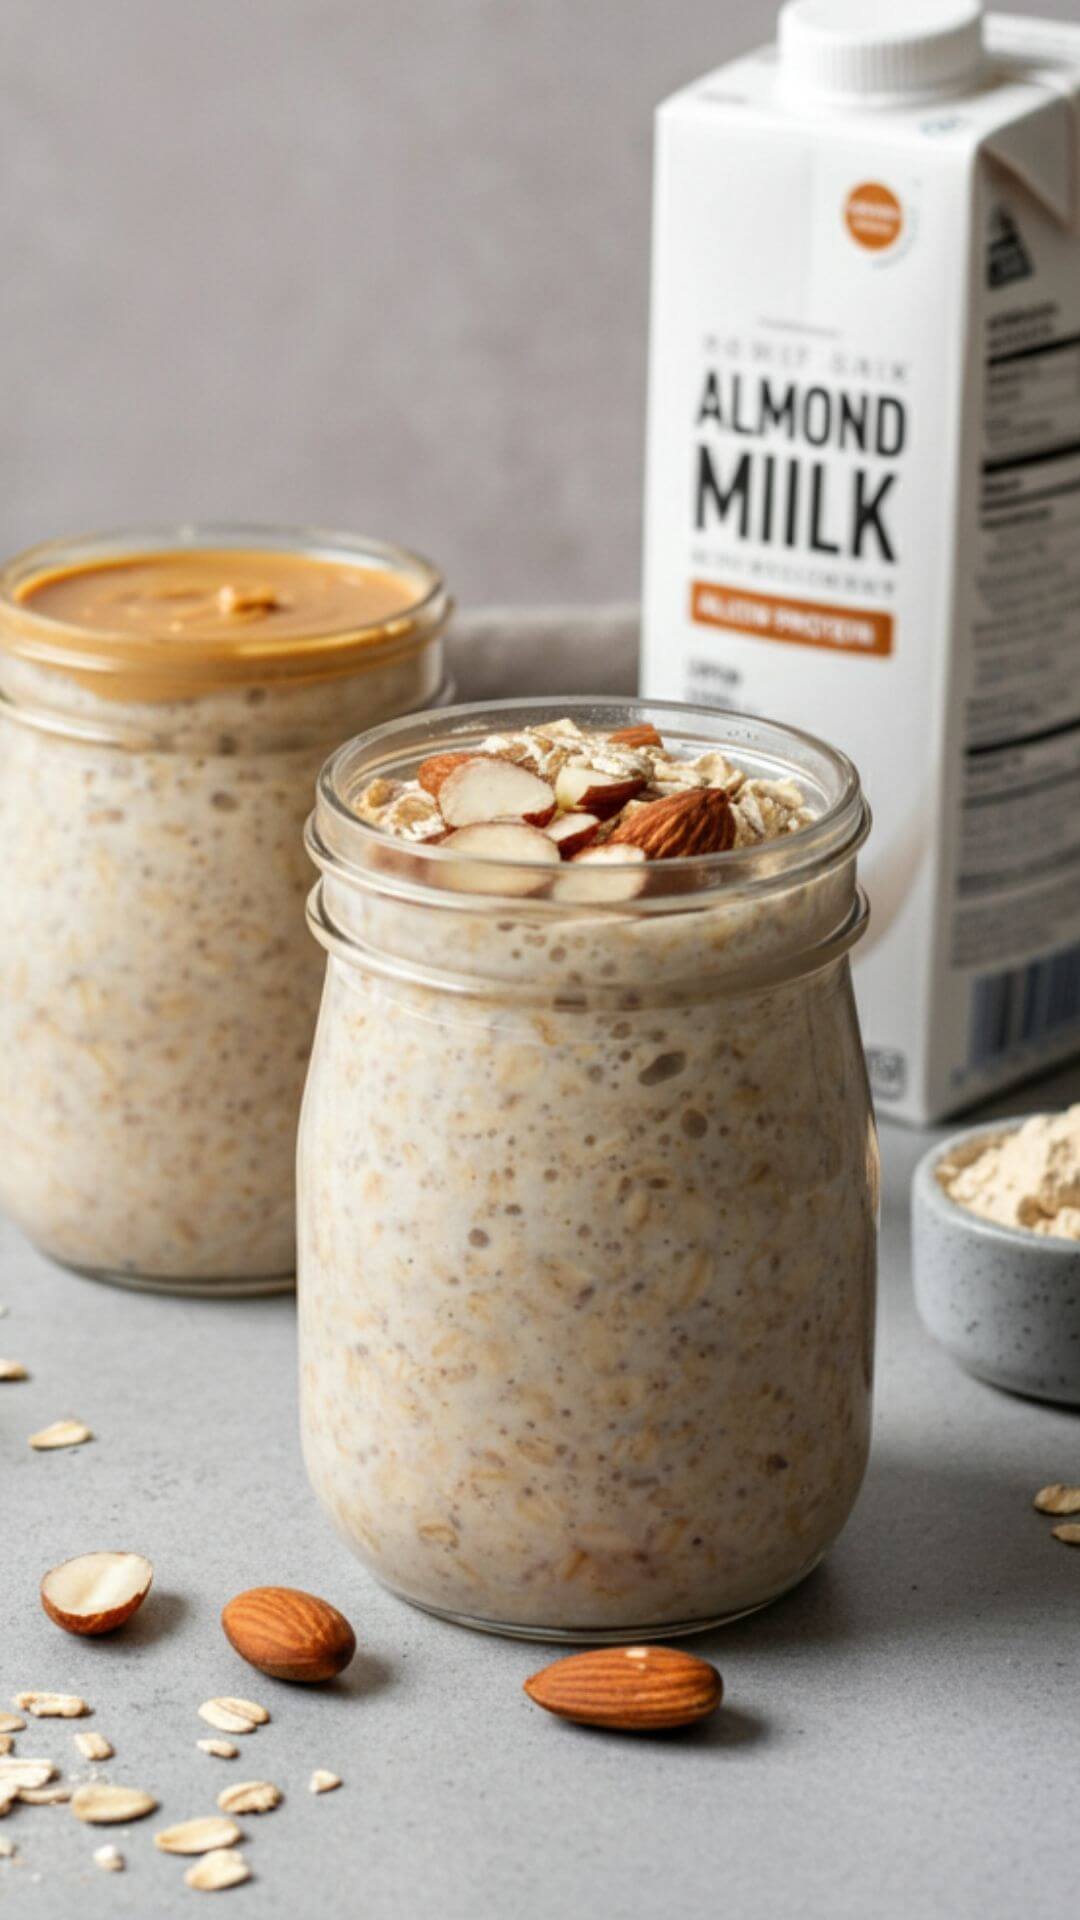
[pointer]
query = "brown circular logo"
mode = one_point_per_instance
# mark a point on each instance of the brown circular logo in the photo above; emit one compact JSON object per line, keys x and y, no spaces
{"x":873,"y":215}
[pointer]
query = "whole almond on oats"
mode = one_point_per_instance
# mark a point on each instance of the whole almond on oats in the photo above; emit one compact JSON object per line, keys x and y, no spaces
{"x":1058,"y":1499}
{"x":230,"y":1715}
{"x":289,"y":1634}
{"x":102,"y":1805}
{"x":643,"y":735}
{"x":249,"y":1796}
{"x":632,"y":1689}
{"x":52,"y":1706}
{"x":683,"y":825}
{"x":198,"y":1836}
{"x":62,"y":1433}
{"x":96,"y":1592}
{"x":433,"y":771}
{"x":93,"y":1746}
{"x":224,"y":1867}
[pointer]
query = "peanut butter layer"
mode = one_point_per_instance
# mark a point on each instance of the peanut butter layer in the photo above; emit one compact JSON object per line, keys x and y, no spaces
{"x":212,"y":595}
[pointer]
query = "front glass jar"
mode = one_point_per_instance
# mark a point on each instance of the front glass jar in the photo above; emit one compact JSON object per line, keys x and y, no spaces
{"x":166,"y":699}
{"x":587,"y":1203}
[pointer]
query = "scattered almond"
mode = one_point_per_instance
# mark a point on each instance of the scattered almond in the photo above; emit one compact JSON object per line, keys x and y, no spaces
{"x":48,"y":1796}
{"x":433,"y":771}
{"x":101,"y":1805}
{"x":198,"y":1836}
{"x":482,"y":791}
{"x":52,"y":1706}
{"x":583,"y":789}
{"x":289,"y":1634}
{"x":1058,"y":1499}
{"x":573,"y":832}
{"x":323,"y":1781}
{"x":13,"y":1370}
{"x":62,"y":1433}
{"x":523,"y":849}
{"x":12,"y":1723}
{"x":632,"y":1689}
{"x":1068,"y":1533}
{"x":110,"y":1859}
{"x":96,"y":1592}
{"x":221,"y":1749}
{"x":230,"y":1715}
{"x":249,"y":1796}
{"x":696,"y":822}
{"x":222,"y":1868}
{"x":93,"y":1746}
{"x":644,"y":735}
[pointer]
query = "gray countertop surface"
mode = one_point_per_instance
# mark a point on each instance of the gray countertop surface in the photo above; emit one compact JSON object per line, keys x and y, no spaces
{"x":902,"y":1734}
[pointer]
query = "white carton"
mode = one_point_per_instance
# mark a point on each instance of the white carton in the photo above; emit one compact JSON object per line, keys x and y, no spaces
{"x":863,"y":498}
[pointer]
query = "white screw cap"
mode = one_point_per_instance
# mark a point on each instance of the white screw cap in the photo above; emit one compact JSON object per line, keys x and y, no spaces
{"x":879,"y":49}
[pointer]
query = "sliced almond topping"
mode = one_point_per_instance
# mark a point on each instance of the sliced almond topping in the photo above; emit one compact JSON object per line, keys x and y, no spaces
{"x":481,"y":791}
{"x":13,"y":1370}
{"x":17,"y":1772}
{"x":582,"y":788}
{"x":48,"y":1796}
{"x":101,"y":1805}
{"x":1058,"y":1499}
{"x":52,"y":1706}
{"x":12,"y":1723}
{"x":573,"y":832}
{"x":221,"y":1749}
{"x":231,"y":1715}
{"x":93,"y":1746}
{"x":603,"y":875}
{"x":249,"y":1796}
{"x":222,"y":1868}
{"x":699,"y":821}
{"x":518,"y":846}
{"x":109,"y":1859}
{"x":323,"y":1781}
{"x":96,"y":1592}
{"x":198,"y":1836}
{"x":62,"y":1433}
{"x":433,"y":771}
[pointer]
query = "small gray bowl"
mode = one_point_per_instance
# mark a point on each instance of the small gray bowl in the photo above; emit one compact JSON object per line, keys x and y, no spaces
{"x":1004,"y":1302}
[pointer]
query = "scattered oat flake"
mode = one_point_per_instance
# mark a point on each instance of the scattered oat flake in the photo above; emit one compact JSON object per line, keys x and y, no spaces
{"x":109,"y":1859}
{"x":48,"y":1796}
{"x":17,"y":1772}
{"x":249,"y":1796}
{"x":221,"y":1749}
{"x":208,"y":1835}
{"x":52,"y":1706}
{"x":62,"y":1433}
{"x":322,"y":1781}
{"x":12,"y":1723}
{"x":230,"y":1715}
{"x":93,"y":1746}
{"x":101,"y":1805}
{"x":1069,"y":1532}
{"x":224,"y":1867}
{"x":13,"y":1370}
{"x":1058,"y":1499}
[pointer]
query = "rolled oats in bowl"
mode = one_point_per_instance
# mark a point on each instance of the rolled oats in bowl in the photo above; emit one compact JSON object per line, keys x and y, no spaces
{"x":166,"y":699}
{"x":587,"y":1170}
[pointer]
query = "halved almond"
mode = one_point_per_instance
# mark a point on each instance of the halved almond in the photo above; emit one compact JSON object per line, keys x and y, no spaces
{"x":102,"y":1805}
{"x":485,"y":790}
{"x":573,"y":832}
{"x":198,"y":1836}
{"x":519,"y":849}
{"x":96,"y":1592}
{"x":603,"y":875}
{"x":583,"y":790}
{"x":224,"y":1867}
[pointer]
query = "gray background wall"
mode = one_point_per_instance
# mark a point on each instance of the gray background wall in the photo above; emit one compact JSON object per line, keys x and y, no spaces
{"x":377,"y":264}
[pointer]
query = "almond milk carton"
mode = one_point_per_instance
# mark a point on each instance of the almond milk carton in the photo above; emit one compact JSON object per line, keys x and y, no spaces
{"x":863,"y":500}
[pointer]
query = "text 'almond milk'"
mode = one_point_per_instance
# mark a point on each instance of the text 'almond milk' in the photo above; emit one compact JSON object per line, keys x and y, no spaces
{"x":863,"y":500}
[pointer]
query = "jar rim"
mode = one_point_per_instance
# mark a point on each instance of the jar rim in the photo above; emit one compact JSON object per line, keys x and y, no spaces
{"x":321,"y":654}
{"x":357,"y":851}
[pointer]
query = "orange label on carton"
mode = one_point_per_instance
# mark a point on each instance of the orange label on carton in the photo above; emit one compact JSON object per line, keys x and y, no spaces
{"x":806,"y":623}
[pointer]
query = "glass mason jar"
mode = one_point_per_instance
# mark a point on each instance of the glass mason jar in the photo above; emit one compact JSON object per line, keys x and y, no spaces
{"x":158,"y":990}
{"x":587,"y":1205}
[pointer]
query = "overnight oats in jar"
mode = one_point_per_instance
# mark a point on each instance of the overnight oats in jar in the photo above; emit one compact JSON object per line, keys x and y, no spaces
{"x":587,"y":1173}
{"x":166,"y":699}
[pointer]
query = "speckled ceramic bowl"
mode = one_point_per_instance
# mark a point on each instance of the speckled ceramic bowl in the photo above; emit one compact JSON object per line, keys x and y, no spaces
{"x":1004,"y":1302}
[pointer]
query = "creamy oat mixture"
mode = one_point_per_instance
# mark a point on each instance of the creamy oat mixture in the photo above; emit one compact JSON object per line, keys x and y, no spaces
{"x":587,"y":1246}
{"x":158,"y":988}
{"x":1027,"y":1178}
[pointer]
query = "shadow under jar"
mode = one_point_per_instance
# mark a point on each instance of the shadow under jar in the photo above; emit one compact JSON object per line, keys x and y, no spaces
{"x":166,"y":699}
{"x":587,"y":1204}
